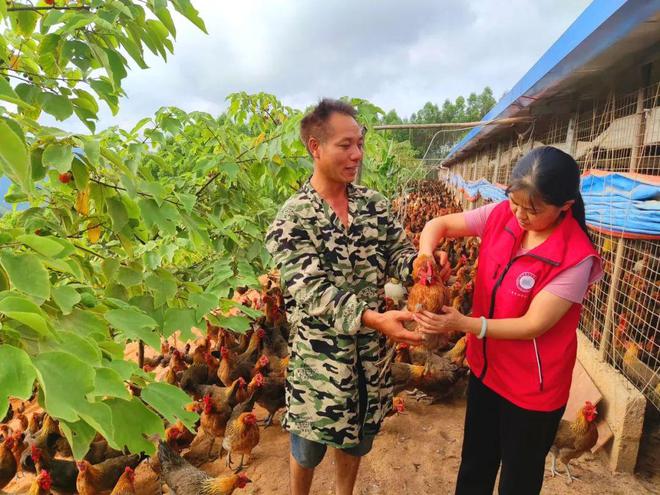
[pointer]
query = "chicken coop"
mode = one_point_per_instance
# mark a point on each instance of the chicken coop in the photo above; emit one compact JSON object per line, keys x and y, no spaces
{"x":596,"y":95}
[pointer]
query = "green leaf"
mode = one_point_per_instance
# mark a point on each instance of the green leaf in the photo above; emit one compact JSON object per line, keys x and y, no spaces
{"x":24,"y":21}
{"x":65,"y":380}
{"x":135,"y":325}
{"x":80,"y":436}
{"x":117,"y":212}
{"x":14,"y":159}
{"x":164,"y":286}
{"x":170,"y":402}
{"x":109,"y":383}
{"x":133,"y":422}
{"x":27,"y":274}
{"x":58,"y":106}
{"x":238,"y":324}
{"x":80,"y":174}
{"x":164,"y":217}
{"x":45,"y":245}
{"x":8,"y":94}
{"x":84,"y":348}
{"x":182,"y":320}
{"x":66,"y":298}
{"x":98,"y":415}
{"x":58,"y":156}
{"x":127,"y":369}
{"x":128,"y":277}
{"x":204,"y":303}
{"x":92,"y":150}
{"x":17,"y":375}
{"x":85,"y":323}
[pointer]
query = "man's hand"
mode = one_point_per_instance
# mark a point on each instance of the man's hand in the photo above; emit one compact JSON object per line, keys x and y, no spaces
{"x":390,"y":324}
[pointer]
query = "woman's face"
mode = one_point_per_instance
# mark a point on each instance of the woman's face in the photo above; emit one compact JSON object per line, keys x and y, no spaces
{"x":537,"y":216}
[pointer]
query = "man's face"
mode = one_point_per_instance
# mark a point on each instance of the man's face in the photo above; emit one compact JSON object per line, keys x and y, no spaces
{"x":338,"y":157}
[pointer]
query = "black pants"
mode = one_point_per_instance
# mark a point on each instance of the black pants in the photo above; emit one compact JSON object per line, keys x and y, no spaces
{"x":497,"y":431}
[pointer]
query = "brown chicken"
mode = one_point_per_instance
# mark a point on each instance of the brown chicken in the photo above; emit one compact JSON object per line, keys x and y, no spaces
{"x":271,"y":396}
{"x":646,"y":378}
{"x":457,"y":353}
{"x":8,"y":464}
{"x":178,"y":437}
{"x":398,"y":407}
{"x":184,"y":479}
{"x":213,"y":421}
{"x":62,"y":473}
{"x":41,"y":484}
{"x":232,"y":366}
{"x":241,"y":436}
{"x":126,"y":483}
{"x":427,"y":294}
{"x":101,"y":478}
{"x":574,"y":438}
{"x":436,"y":383}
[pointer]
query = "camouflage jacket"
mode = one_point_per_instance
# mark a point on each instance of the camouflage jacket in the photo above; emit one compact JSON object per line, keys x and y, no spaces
{"x":330,"y":275}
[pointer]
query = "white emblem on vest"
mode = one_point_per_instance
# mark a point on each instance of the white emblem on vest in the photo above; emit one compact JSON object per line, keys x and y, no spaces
{"x":526,"y":281}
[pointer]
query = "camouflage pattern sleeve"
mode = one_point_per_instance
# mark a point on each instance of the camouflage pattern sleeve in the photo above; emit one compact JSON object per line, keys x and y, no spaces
{"x":305,"y":279}
{"x":401,"y":252}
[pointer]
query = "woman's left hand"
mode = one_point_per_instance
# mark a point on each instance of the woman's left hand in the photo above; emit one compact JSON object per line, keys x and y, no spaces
{"x":450,"y":321}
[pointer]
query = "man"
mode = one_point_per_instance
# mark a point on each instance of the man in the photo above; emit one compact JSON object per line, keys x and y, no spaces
{"x":336,"y":244}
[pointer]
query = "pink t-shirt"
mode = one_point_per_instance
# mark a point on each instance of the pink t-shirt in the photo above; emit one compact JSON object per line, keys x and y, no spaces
{"x":571,"y":284}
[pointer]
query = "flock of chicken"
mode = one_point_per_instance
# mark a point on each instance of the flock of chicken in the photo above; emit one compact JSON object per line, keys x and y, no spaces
{"x":227,"y":374}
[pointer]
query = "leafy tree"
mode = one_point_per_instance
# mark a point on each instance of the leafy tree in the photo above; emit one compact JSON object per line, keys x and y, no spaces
{"x":129,"y":235}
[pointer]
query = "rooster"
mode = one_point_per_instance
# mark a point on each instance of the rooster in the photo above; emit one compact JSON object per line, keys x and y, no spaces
{"x":184,"y":479}
{"x":574,"y":438}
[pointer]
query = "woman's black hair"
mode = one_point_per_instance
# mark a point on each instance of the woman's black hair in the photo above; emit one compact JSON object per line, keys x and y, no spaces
{"x":549,"y":174}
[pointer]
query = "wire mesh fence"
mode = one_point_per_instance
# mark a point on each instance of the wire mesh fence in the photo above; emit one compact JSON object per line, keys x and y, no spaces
{"x":616,"y":133}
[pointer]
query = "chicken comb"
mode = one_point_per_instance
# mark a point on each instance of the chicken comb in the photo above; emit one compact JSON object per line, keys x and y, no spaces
{"x":44,"y":480}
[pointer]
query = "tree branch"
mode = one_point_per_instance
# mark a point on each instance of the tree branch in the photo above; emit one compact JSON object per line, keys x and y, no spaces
{"x":51,"y":7}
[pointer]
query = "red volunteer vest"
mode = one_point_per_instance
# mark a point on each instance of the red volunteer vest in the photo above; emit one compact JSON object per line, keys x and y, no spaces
{"x":533,"y":374}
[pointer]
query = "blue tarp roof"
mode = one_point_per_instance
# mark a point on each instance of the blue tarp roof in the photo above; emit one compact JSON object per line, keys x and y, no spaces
{"x":601,"y":25}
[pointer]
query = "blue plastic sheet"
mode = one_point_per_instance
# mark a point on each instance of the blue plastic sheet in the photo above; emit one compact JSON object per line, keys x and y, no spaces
{"x":613,"y":202}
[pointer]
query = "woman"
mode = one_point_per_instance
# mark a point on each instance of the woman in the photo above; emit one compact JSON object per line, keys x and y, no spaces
{"x":536,"y":261}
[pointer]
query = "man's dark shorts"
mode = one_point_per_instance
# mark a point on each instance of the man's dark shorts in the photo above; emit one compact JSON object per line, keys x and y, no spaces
{"x":309,"y":454}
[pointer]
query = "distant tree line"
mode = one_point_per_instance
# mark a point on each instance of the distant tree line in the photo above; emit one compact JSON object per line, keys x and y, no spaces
{"x":469,"y":109}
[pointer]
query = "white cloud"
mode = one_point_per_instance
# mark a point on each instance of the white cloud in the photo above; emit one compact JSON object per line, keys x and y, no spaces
{"x":396,"y":54}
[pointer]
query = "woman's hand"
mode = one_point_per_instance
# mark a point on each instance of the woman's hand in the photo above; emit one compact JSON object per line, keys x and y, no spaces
{"x":450,"y":321}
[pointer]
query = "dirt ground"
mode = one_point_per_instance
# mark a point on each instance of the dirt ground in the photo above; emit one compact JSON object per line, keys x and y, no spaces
{"x":418,"y":452}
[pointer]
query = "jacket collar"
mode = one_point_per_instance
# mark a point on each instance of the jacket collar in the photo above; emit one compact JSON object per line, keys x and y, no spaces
{"x":548,"y":250}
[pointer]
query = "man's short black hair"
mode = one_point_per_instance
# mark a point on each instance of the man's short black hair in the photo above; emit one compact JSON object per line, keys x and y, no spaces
{"x":315,"y":122}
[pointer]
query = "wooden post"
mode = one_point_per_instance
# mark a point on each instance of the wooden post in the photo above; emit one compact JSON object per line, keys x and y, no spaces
{"x":571,"y":135}
{"x":606,"y":341}
{"x":498,"y":160}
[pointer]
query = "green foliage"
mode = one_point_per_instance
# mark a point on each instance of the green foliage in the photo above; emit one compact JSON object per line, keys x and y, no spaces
{"x":471,"y":109}
{"x":130,"y":235}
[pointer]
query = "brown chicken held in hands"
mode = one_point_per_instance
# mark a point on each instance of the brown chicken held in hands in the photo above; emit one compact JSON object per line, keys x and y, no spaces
{"x":574,"y":438}
{"x":427,"y":294}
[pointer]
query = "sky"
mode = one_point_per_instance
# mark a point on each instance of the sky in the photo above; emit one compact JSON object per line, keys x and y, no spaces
{"x":396,"y":54}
